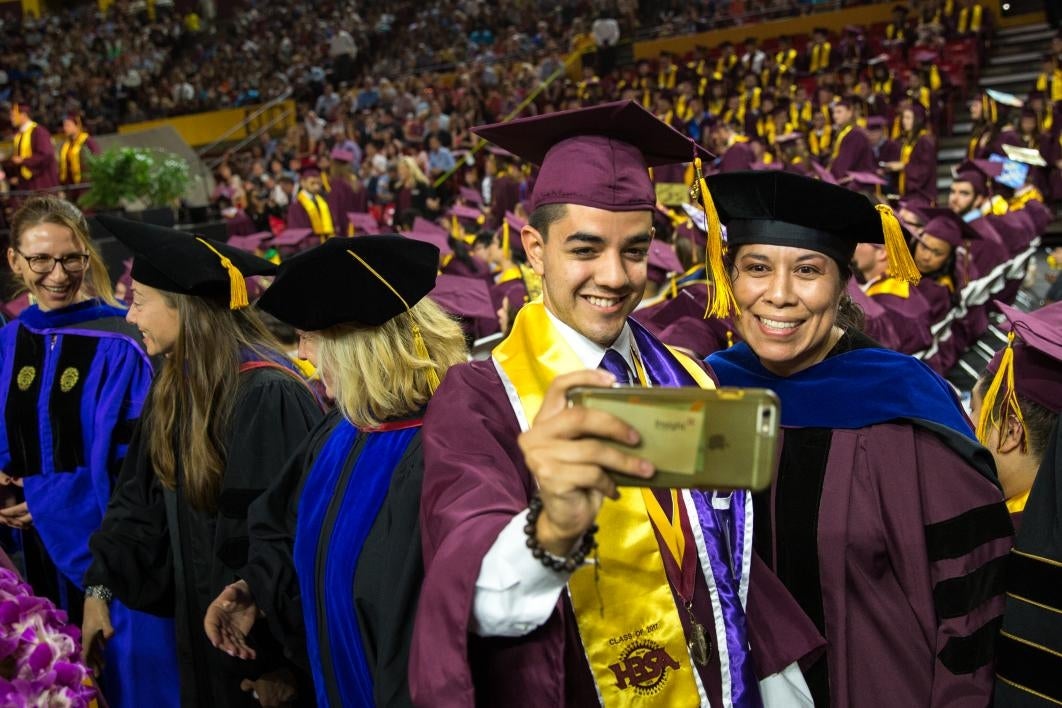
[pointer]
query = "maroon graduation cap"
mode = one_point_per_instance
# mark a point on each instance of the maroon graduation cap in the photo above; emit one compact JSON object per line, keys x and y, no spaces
{"x":464,"y":297}
{"x":426,"y":231}
{"x":866,"y":179}
{"x":292,"y":237}
{"x":363,"y":222}
{"x":597,"y":156}
{"x":824,"y":174}
{"x":251,"y":242}
{"x":472,"y":196}
{"x":978,"y":173}
{"x":662,"y":260}
{"x":465,"y":213}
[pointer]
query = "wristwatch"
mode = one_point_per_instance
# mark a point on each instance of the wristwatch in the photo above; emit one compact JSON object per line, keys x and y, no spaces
{"x":100,"y":592}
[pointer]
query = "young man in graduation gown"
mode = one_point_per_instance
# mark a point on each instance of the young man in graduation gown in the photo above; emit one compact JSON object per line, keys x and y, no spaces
{"x":885,"y":519}
{"x":77,"y":146}
{"x":906,"y":306}
{"x":851,"y":147}
{"x":514,"y":486}
{"x":342,"y":198}
{"x":1017,"y":404}
{"x":32,"y":162}
{"x":309,"y":208}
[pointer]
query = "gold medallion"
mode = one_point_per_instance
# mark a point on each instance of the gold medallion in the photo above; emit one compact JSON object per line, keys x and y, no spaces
{"x":68,"y":379}
{"x":26,"y":375}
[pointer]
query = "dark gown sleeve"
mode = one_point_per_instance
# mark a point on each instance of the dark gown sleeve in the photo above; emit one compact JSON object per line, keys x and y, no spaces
{"x":270,"y":569}
{"x":388,"y":580}
{"x":131,"y":551}
{"x":297,"y":216}
{"x":43,"y":152}
{"x":921,"y":169}
{"x":854,"y":153}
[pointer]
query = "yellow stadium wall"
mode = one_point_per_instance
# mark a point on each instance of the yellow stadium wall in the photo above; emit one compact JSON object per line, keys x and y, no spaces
{"x":204,"y":128}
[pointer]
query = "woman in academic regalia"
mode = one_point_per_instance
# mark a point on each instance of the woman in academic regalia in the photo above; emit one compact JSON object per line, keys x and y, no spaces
{"x":381,"y":347}
{"x":917,"y":166}
{"x":1017,"y":404}
{"x":885,"y":519}
{"x":224,"y":413}
{"x":73,"y":379}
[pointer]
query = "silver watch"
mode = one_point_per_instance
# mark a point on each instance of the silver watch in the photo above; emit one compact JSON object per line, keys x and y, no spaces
{"x":100,"y":592}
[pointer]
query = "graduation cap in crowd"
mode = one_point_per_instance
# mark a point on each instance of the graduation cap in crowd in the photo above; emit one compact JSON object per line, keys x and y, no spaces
{"x":464,"y":297}
{"x":662,"y":261}
{"x":309,"y":168}
{"x":784,"y":209}
{"x":859,"y":180}
{"x":180,"y":262}
{"x":365,"y":280}
{"x":1007,"y":99}
{"x":978,"y":173}
{"x":251,"y":242}
{"x":429,"y":232}
{"x":363,"y":222}
{"x":1013,"y":174}
{"x":472,"y":196}
{"x":945,"y":225}
{"x":1024,"y":155}
{"x":467,"y":214}
{"x":824,"y":174}
{"x":1030,"y":366}
{"x":877,"y":123}
{"x":292,"y":238}
{"x":340,"y":154}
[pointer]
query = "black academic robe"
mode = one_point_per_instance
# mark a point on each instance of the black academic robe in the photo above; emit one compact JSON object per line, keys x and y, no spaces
{"x":387,"y":578}
{"x":158,"y":554}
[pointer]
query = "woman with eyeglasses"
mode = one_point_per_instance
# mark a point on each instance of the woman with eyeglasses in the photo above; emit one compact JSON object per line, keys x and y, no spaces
{"x":73,"y":380}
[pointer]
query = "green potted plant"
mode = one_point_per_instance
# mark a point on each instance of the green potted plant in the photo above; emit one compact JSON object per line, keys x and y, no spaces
{"x":135,"y":179}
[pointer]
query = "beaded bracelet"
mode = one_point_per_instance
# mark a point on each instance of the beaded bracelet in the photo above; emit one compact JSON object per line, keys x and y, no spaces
{"x":100,"y":592}
{"x":556,"y":563}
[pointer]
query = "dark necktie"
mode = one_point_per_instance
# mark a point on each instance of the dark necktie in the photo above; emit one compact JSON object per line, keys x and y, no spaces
{"x":614,"y":363}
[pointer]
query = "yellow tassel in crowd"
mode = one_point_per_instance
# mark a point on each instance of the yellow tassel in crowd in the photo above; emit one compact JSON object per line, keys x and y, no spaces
{"x":993,"y":416}
{"x":901,"y":264}
{"x":723,"y":304}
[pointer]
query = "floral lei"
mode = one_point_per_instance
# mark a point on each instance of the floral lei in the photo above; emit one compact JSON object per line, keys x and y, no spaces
{"x":40,"y":654}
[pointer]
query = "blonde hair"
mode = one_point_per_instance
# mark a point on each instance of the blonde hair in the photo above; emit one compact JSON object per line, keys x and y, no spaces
{"x":413,"y":168}
{"x":375,"y":373}
{"x":52,"y":210}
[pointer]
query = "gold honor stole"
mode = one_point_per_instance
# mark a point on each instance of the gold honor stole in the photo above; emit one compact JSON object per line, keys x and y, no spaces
{"x":840,"y":139}
{"x":320,"y":216}
{"x":70,"y":159}
{"x":628,"y":622}
{"x":24,"y":148}
{"x":905,"y":157}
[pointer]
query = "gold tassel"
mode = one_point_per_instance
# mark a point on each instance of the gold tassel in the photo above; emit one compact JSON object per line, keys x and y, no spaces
{"x":455,"y":228}
{"x":723,"y":302}
{"x":991,"y":418}
{"x":419,"y":346}
{"x":506,"y":243}
{"x":901,"y":264}
{"x":237,"y":284}
{"x":674,"y":287}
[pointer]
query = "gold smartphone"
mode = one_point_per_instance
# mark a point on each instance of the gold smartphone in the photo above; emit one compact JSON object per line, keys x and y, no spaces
{"x":696,"y":438}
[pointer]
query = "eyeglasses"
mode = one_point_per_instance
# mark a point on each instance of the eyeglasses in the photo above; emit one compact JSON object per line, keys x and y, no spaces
{"x":74,"y":263}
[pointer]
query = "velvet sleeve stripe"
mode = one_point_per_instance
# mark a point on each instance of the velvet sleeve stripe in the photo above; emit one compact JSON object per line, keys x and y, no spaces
{"x":959,"y":596}
{"x":959,"y":535}
{"x":23,"y":431}
{"x":1029,"y":667}
{"x":1035,"y":580}
{"x":964,"y":655}
{"x":76,"y":357}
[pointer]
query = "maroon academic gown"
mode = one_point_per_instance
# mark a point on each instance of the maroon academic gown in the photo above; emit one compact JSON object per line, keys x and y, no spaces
{"x":41,"y":163}
{"x":920,"y":173}
{"x":341,"y":201}
{"x":504,"y":196}
{"x":240,"y":224}
{"x":680,"y":322}
{"x":299,"y":219}
{"x":910,"y":319}
{"x":475,"y":482}
{"x":853,"y":155}
{"x":896,"y":544}
{"x":948,"y":350}
{"x":91,"y":147}
{"x":877,"y":321}
{"x":737,"y":158}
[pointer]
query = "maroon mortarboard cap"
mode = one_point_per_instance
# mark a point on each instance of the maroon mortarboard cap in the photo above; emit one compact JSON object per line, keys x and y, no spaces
{"x":787,"y":138}
{"x":499,"y":152}
{"x":694,"y":334}
{"x":463,"y":296}
{"x":1037,"y":354}
{"x":924,"y":55}
{"x":866,"y":178}
{"x":363,"y":222}
{"x":917,"y":210}
{"x":465,"y":212}
{"x":516,"y":223}
{"x":365,"y":280}
{"x":977,"y":173}
{"x":341,"y":155}
{"x":430,"y":233}
{"x":662,"y":260}
{"x":597,"y":157}
{"x":308,"y":168}
{"x":943,"y":224}
{"x":292,"y":237}
{"x":876,"y":123}
{"x":824,"y":174}
{"x":472,"y":196}
{"x":250,"y":242}
{"x":764,"y":166}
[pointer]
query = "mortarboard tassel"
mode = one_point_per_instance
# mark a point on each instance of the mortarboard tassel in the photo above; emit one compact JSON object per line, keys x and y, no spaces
{"x":237,"y":284}
{"x":455,"y":228}
{"x":989,"y":417}
{"x":418,"y":339}
{"x":901,"y":264}
{"x":506,"y":244}
{"x":722,"y":303}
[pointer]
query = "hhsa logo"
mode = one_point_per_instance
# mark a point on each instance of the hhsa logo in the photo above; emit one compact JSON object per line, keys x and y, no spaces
{"x":643,"y":667}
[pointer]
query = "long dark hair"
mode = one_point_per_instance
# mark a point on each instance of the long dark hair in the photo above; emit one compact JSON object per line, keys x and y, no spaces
{"x":189,"y":407}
